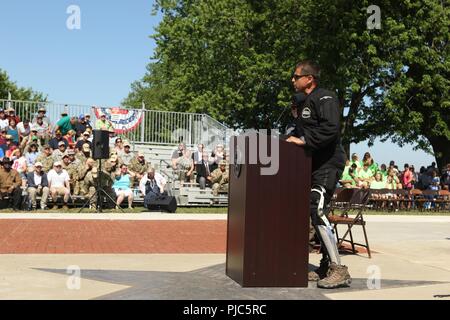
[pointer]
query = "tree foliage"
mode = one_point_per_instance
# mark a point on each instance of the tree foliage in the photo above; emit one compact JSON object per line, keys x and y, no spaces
{"x":17,"y":93}
{"x":233,"y":59}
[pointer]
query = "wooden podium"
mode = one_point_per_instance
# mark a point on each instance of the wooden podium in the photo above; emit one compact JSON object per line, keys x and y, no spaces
{"x":268,"y":219}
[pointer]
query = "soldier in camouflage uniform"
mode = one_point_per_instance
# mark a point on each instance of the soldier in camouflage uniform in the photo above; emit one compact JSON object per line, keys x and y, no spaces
{"x":138,"y":167}
{"x":72,"y":170}
{"x":84,"y":154}
{"x":46,"y":158}
{"x":106,"y":182}
{"x":219,"y":179}
{"x":59,"y":153}
{"x":83,"y":170}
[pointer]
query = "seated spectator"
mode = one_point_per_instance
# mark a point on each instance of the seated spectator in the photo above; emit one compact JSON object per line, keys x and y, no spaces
{"x":4,"y":121}
{"x":59,"y":184}
{"x":59,"y":153}
{"x":177,"y":154}
{"x":54,"y":142}
{"x":217,"y":155}
{"x":185,"y":166}
{"x":12,"y":131}
{"x":104,"y":124}
{"x":348,"y":177}
{"x":219,"y":179}
{"x":407,"y":177}
{"x":378,"y":183}
{"x":383,"y":171}
{"x":393,"y":166}
{"x":435,"y":185}
{"x":85,"y":153}
{"x":91,"y":184}
{"x":46,"y":158}
{"x":139,"y":167}
{"x":38,"y":186}
{"x":197,"y":156}
{"x":83,"y":170}
{"x":43,"y":130}
{"x":364,"y":176}
{"x":126,"y":155}
{"x":393,"y":182}
{"x":87,"y":118}
{"x":122,"y":186}
{"x":372,"y":164}
{"x":3,"y":134}
{"x":84,"y":140}
{"x":81,"y":126}
{"x":32,"y":155}
{"x":32,"y":138}
{"x":415,"y":177}
{"x":118,"y":146}
{"x":355,"y":160}
{"x":446,"y":177}
{"x":11,"y":114}
{"x":71,"y":139}
{"x":24,"y":129}
{"x":66,"y":123}
{"x":203,"y":169}
{"x":42,"y":115}
{"x":152,"y":186}
{"x":10,"y":183}
{"x":9,"y":147}
{"x":19,"y":163}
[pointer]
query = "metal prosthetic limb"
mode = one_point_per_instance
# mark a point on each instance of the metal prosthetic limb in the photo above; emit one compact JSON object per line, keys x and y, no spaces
{"x":325,"y":231}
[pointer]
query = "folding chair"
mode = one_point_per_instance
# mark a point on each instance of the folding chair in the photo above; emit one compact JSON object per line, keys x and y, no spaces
{"x":357,"y":203}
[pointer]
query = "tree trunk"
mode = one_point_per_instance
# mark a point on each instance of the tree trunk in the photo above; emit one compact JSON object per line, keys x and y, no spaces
{"x":441,"y":148}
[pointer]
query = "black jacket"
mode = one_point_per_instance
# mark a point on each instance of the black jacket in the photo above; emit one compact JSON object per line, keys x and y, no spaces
{"x":201,"y":170}
{"x":319,"y":120}
{"x":30,"y":180}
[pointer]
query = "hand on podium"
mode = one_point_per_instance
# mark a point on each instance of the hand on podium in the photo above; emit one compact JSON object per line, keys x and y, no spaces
{"x":297,"y":141}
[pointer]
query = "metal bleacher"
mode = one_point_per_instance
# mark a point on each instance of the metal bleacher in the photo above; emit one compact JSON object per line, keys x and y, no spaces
{"x":157,"y":136}
{"x":186,"y":194}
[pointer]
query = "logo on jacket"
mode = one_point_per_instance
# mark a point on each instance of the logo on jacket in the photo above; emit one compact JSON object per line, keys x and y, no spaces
{"x":306,"y":113}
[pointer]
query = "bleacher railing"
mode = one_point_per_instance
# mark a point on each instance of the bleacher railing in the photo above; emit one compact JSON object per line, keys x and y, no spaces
{"x":157,"y":127}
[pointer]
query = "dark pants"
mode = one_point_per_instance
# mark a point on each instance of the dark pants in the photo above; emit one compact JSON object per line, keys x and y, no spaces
{"x":15,"y":199}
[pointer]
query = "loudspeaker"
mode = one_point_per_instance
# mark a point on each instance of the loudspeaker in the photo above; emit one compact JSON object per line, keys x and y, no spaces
{"x":164,"y":203}
{"x":100,"y":145}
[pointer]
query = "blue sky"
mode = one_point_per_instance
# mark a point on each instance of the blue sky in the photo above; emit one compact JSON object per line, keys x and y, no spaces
{"x":96,"y":64}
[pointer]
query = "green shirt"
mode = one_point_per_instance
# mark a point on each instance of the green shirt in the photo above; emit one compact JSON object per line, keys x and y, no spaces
{"x":377,"y":185}
{"x":347,"y":177}
{"x":65,"y":125}
{"x":365,"y":174}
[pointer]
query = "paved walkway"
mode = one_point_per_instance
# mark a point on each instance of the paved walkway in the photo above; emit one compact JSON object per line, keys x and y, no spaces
{"x":157,"y":256}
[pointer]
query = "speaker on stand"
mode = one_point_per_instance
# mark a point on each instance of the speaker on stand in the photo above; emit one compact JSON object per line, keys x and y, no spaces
{"x":100,"y":145}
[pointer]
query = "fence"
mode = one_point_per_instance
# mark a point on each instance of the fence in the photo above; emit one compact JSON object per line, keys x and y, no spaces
{"x":157,"y":127}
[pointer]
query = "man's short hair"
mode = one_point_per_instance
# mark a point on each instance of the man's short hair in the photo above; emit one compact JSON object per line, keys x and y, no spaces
{"x":309,"y":68}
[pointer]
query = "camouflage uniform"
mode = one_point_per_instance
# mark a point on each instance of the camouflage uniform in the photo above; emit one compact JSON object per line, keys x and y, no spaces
{"x":219,"y":180}
{"x":127,"y":157}
{"x":72,"y":170}
{"x":58,"y":155}
{"x":90,"y":183}
{"x":47,"y":162}
{"x":82,"y":157}
{"x":138,"y":168}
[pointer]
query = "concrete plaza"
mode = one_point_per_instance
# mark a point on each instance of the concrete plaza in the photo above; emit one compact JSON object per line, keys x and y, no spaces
{"x":157,"y":256}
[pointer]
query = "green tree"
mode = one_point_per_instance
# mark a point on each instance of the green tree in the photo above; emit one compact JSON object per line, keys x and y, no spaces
{"x":233,"y":60}
{"x":17,"y":93}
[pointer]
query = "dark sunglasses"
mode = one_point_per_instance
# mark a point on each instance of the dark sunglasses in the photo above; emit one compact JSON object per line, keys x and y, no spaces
{"x":298,"y":76}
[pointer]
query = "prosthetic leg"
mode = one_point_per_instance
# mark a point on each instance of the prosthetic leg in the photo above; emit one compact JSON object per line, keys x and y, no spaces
{"x":335,"y":275}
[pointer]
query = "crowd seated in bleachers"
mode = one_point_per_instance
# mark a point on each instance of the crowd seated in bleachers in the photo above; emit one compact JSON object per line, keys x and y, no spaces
{"x":380,"y":178}
{"x":42,"y":162}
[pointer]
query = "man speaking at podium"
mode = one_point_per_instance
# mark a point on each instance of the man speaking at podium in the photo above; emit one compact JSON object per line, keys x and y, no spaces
{"x":319,"y":127}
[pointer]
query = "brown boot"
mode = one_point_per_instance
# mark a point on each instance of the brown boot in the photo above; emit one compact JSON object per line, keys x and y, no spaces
{"x":321,"y":272}
{"x":337,"y":277}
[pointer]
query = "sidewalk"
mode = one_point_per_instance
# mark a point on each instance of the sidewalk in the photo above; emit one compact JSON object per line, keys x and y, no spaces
{"x":164,"y":256}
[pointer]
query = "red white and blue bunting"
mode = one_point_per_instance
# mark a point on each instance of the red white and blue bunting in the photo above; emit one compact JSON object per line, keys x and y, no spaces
{"x":123,"y":120}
